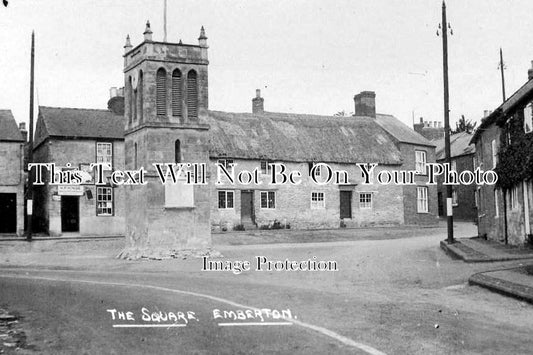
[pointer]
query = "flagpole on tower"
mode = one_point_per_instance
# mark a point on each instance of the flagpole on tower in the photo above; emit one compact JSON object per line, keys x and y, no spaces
{"x":165,"y":21}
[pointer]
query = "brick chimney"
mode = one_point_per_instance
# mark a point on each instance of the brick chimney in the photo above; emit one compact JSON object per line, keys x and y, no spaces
{"x":258,"y":103}
{"x":530,"y":72}
{"x":418,"y":127}
{"x":365,"y":104}
{"x":23,"y":131}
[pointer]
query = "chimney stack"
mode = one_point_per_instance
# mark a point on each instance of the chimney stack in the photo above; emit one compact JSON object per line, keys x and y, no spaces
{"x":365,"y":104}
{"x":113,"y":92}
{"x":530,"y":72}
{"x":258,"y":103}
{"x":23,"y":131}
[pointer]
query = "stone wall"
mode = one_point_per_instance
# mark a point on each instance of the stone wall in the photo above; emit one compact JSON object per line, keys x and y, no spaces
{"x":78,"y":152}
{"x":412,"y":216}
{"x":293,"y":202}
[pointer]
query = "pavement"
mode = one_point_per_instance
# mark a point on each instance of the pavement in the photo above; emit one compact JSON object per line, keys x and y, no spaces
{"x":515,"y":281}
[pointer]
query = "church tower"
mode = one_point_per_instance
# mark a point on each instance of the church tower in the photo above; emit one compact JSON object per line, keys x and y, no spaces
{"x":166,"y":102}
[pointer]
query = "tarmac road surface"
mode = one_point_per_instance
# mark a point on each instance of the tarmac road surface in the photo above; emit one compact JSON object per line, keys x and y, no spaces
{"x":396,"y":296}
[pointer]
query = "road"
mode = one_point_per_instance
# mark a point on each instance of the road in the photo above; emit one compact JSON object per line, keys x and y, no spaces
{"x":399,"y":296}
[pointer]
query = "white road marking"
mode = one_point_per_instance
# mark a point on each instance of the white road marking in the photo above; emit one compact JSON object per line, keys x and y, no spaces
{"x":169,"y":325}
{"x":252,"y":323}
{"x":346,"y":341}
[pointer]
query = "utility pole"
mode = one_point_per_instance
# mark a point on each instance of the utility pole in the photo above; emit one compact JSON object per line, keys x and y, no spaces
{"x":502,"y":67}
{"x":449,"y":207}
{"x":29,"y":203}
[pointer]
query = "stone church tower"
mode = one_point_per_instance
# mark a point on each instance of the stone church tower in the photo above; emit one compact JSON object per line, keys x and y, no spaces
{"x":166,"y":101}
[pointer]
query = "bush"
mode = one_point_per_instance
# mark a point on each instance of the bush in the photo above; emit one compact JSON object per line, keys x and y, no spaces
{"x":238,"y":227}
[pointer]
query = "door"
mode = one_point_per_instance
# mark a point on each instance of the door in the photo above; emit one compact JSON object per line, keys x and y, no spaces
{"x":70,"y":214}
{"x":346,"y":204}
{"x":247,"y":206}
{"x":8,"y":213}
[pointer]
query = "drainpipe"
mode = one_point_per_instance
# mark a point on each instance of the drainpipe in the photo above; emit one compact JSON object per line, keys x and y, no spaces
{"x":504,"y":192}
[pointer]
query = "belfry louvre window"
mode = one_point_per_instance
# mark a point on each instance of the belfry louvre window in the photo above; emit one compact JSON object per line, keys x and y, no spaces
{"x":104,"y":201}
{"x":161,"y":92}
{"x":176,"y":93}
{"x":192,"y":94}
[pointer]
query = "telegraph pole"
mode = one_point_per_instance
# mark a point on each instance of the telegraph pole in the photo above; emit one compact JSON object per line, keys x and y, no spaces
{"x":29,"y":203}
{"x":503,"y":76}
{"x":449,"y":207}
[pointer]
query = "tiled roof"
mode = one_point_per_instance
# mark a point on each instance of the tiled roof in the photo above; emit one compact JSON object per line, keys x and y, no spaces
{"x":400,"y":131}
{"x":9,"y":130}
{"x":300,"y":138}
{"x":459,"y":145}
{"x":78,"y":123}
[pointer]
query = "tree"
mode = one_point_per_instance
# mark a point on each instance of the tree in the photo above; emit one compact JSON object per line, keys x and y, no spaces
{"x":464,"y":125}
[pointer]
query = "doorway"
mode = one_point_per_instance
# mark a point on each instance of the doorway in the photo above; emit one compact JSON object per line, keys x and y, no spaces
{"x":70,"y":214}
{"x":8,"y":211}
{"x":346,"y":204}
{"x":247,"y":207}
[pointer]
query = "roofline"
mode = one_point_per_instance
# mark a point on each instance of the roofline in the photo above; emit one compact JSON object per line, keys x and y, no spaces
{"x":298,"y":161}
{"x":69,"y":138}
{"x":458,"y":156}
{"x":158,"y":42}
{"x":80,"y":109}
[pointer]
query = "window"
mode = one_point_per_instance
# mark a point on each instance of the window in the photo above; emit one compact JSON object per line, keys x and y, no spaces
{"x":140,"y":96}
{"x":455,"y":200}
{"x":227,"y":163}
{"x":474,"y":161}
{"x":268,"y":199}
{"x":104,"y":201}
{"x":192,"y":94}
{"x":161,"y":92}
{"x":422,"y":199}
{"x":318,"y":170}
{"x":420,"y":162}
{"x":494,"y":151}
{"x":365,"y":200}
{"x":528,"y":115}
{"x":513,"y":198}
{"x":176,"y":93}
{"x":317,"y":200}
{"x":225,"y":199}
{"x":453,"y":165}
{"x":496,"y":212}
{"x":104,"y":153}
{"x":264,"y":167}
{"x":476,"y":198}
{"x":130,"y":99}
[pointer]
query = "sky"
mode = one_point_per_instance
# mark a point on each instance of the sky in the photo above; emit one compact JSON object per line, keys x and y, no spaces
{"x":306,"y":56}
